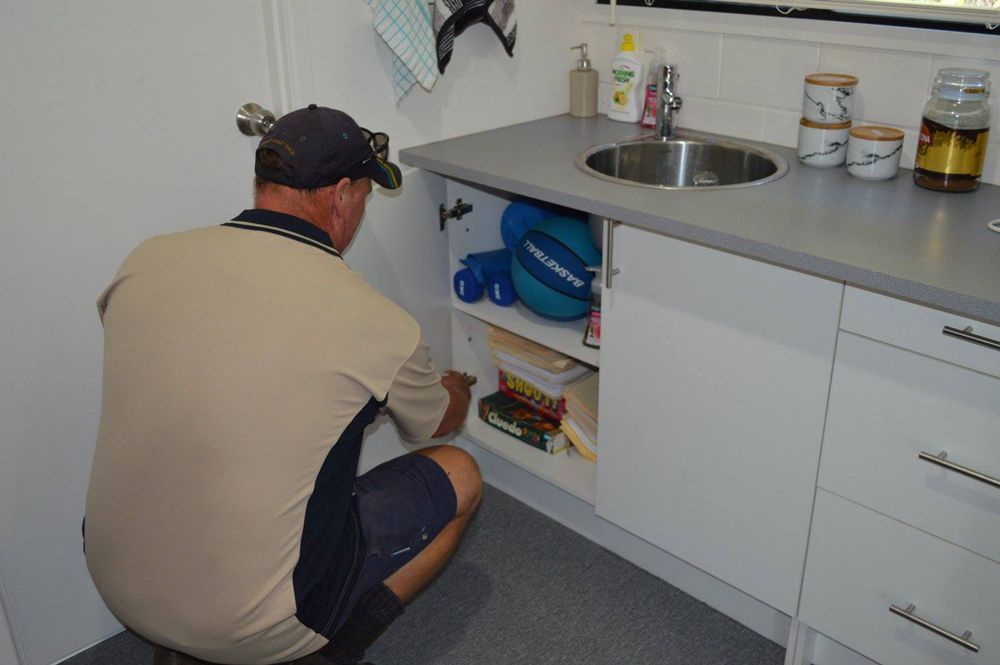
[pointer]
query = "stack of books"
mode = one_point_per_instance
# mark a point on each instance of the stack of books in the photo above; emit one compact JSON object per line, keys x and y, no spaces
{"x":533,"y":381}
{"x":580,"y":421}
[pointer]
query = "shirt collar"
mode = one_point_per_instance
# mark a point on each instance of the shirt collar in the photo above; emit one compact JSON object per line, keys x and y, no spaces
{"x":289,"y":226}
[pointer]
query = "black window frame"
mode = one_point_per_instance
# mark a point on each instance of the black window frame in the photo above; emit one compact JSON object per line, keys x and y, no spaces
{"x":812,"y":14}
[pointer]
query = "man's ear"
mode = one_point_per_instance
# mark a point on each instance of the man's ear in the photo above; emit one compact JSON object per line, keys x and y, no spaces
{"x":340,"y":199}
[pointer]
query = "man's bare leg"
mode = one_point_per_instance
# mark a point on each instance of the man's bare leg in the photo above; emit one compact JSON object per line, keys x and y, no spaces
{"x":464,"y":474}
{"x":380,"y":606}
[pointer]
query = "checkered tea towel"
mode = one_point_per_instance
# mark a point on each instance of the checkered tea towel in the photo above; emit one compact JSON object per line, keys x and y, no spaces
{"x":451,"y":17}
{"x":405,"y":27}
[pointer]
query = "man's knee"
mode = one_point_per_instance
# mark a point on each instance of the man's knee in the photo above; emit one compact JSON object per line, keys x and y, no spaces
{"x":463,"y":471}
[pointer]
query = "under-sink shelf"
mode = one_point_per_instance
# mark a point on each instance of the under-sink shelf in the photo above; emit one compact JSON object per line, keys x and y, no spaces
{"x":471,"y":353}
{"x":563,"y":336}
{"x":566,"y":470}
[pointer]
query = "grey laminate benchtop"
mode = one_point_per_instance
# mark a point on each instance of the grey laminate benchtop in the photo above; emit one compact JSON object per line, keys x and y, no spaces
{"x":892,"y":236}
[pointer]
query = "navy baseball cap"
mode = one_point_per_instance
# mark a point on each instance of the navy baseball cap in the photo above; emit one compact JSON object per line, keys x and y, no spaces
{"x":318,"y":146}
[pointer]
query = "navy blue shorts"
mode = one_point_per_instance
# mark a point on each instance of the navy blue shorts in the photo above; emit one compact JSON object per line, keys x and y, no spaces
{"x":402,"y":505}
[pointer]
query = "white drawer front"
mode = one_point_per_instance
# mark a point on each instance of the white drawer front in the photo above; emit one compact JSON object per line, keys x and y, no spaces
{"x":919,"y":329}
{"x":887,"y":406}
{"x":861,"y":562}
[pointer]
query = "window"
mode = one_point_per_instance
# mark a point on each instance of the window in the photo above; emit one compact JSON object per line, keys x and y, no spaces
{"x":961,"y":15}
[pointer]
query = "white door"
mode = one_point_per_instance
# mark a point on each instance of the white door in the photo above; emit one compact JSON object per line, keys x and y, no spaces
{"x":117,"y":124}
{"x":714,"y":377}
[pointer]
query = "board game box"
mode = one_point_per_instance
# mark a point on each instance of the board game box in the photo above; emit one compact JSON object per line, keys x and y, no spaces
{"x":521,"y":422}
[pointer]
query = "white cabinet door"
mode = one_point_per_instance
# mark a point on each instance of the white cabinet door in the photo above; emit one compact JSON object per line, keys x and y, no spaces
{"x":714,"y":378}
{"x":402,"y":253}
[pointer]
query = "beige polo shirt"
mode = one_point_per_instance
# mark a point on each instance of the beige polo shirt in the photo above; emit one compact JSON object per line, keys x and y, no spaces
{"x":241,"y":366}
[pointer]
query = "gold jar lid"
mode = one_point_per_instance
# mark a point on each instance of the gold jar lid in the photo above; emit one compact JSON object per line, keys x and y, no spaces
{"x":877,"y":133}
{"x":833,"y":80}
{"x":820,"y":125}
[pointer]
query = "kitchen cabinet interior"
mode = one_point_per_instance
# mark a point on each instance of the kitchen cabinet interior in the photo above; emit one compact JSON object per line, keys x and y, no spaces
{"x":479,"y":231}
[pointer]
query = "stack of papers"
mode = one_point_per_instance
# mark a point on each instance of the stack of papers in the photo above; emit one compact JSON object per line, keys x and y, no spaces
{"x":580,"y":421}
{"x":549,"y":371}
{"x":530,"y":353}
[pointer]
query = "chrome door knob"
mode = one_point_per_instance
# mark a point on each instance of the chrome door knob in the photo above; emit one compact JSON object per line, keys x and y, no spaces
{"x":254,"y":120}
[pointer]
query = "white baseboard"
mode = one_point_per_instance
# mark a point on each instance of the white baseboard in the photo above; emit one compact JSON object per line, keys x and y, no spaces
{"x":89,"y":646}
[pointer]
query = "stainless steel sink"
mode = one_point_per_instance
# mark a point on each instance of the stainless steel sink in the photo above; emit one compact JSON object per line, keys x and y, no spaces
{"x":683,"y":162}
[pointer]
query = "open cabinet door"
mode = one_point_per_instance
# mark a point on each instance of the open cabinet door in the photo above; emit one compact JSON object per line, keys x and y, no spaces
{"x":402,"y":253}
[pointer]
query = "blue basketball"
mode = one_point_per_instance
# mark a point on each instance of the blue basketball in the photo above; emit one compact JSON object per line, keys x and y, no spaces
{"x":550,"y":268}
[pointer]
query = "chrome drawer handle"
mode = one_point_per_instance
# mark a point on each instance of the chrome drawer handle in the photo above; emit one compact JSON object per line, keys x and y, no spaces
{"x":941,"y":460}
{"x":608,"y":270}
{"x":909,"y":615}
{"x":969,"y":336}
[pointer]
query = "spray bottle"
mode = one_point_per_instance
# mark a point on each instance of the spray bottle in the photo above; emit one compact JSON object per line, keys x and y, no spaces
{"x":652,"y":86}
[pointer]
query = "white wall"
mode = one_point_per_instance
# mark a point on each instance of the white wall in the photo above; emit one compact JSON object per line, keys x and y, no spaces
{"x":742,"y":75}
{"x":345,"y":65}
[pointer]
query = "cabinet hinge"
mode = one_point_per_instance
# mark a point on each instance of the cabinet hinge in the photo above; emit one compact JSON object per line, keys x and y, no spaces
{"x":455,"y":212}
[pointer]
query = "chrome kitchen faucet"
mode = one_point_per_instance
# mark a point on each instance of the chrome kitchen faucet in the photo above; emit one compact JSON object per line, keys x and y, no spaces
{"x":669,"y":102}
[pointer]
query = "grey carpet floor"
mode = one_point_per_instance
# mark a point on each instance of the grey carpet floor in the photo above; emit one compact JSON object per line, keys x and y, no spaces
{"x":522,"y":590}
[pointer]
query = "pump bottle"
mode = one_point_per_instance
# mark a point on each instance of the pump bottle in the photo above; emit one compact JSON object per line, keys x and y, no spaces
{"x":627,"y":85}
{"x":583,"y":84}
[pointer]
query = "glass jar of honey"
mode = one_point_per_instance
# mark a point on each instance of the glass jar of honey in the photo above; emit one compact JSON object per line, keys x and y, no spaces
{"x":954,"y":131}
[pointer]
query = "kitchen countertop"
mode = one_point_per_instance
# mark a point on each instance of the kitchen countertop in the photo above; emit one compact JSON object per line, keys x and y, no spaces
{"x":891,"y":236}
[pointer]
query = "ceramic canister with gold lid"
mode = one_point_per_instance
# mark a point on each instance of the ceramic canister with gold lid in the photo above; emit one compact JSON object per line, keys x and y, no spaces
{"x":873,"y":152}
{"x":829,"y":98}
{"x":823,"y":145}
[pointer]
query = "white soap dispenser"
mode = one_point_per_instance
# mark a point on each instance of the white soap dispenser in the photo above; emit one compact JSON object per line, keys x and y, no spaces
{"x":627,"y":84}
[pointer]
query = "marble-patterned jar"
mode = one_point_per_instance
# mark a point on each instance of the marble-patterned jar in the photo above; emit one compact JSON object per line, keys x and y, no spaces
{"x":873,"y":152}
{"x":823,"y":145}
{"x":829,"y":98}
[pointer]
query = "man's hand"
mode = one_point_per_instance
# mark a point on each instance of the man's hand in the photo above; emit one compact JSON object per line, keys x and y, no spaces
{"x":457,"y":385}
{"x":459,"y":380}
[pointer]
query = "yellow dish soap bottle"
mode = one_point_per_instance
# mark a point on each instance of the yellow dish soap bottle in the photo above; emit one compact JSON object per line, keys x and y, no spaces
{"x":626,"y":83}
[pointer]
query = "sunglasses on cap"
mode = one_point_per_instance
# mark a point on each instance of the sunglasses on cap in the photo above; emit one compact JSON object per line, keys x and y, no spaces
{"x":379,"y":144}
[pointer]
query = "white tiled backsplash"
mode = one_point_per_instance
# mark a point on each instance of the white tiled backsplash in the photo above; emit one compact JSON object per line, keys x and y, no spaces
{"x":742,"y":76}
